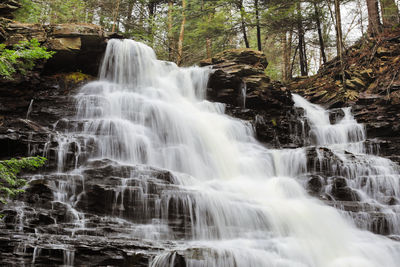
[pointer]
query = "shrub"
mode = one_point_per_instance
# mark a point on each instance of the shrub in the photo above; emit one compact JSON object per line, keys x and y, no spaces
{"x":21,"y":58}
{"x":10,"y":184}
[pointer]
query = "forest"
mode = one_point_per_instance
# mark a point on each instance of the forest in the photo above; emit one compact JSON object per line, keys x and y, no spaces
{"x":297,"y":36}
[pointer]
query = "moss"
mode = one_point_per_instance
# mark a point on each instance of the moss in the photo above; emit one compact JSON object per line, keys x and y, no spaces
{"x":77,"y":77}
{"x":273,"y":121}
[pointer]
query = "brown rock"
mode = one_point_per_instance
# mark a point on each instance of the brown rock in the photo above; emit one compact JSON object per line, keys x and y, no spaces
{"x":7,"y":7}
{"x":64,"y":44}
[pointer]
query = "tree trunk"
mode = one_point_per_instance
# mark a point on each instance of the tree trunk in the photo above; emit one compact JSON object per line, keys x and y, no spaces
{"x":390,"y":13}
{"x":339,"y":34}
{"x":128,"y":25}
{"x":289,"y":53}
{"x":302,"y":45}
{"x":374,"y":24}
{"x":320,"y":36}
{"x":284,"y":55}
{"x":243,"y":24}
{"x":152,"y":9}
{"x":339,"y":39}
{"x":258,"y":25}
{"x":170,"y":33}
{"x":116,"y":14}
{"x":181,"y":34}
{"x":359,"y":7}
{"x":293,"y":59}
{"x":208,"y":47}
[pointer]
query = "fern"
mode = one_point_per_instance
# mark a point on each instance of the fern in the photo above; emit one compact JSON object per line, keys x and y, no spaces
{"x":22,"y":57}
{"x":10,"y":184}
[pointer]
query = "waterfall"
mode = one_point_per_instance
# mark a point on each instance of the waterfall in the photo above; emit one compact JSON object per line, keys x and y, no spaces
{"x":29,"y":109}
{"x":242,"y":204}
{"x":375,"y":180}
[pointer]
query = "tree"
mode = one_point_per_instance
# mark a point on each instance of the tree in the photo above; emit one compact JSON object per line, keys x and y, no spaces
{"x":10,"y":184}
{"x":374,"y":24}
{"x":258,"y":28}
{"x":390,"y":13}
{"x":181,"y":34}
{"x":170,"y":32}
{"x":302,"y":43}
{"x":115,"y":15}
{"x":319,"y":30}
{"x":240,"y":7}
{"x":53,"y":11}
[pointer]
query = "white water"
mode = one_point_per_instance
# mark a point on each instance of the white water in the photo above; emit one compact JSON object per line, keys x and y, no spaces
{"x":28,"y":113}
{"x":244,"y":202}
{"x":376,"y":180}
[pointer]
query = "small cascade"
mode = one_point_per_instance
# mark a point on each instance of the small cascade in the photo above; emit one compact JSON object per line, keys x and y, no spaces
{"x":69,"y":257}
{"x":243,"y":92}
{"x":28,"y":113}
{"x":353,"y":174}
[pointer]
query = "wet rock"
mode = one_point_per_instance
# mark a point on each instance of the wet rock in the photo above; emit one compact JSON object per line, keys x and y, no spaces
{"x":315,"y":184}
{"x":322,"y":160}
{"x":38,"y":193}
{"x":335,"y":115}
{"x":340,"y":190}
{"x":240,"y":82}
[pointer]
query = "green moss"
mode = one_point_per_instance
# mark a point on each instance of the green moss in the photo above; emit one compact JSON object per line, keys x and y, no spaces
{"x":10,"y":183}
{"x":77,"y":77}
{"x":273,"y":121}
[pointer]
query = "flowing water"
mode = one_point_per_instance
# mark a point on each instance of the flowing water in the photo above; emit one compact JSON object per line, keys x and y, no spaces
{"x":231,"y":201}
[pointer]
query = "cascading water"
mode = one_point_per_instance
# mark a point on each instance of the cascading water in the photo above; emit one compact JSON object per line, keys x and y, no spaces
{"x":182,"y":174}
{"x":375,"y":181}
{"x":244,"y":205}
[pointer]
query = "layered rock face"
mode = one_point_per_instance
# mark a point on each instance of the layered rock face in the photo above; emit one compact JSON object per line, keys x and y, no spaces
{"x":77,"y":46}
{"x":239,"y":81}
{"x":7,"y":7}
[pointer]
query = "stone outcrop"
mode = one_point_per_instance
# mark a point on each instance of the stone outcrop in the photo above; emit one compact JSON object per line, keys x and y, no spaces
{"x":7,"y":7}
{"x":78,"y":47}
{"x":239,"y":81}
